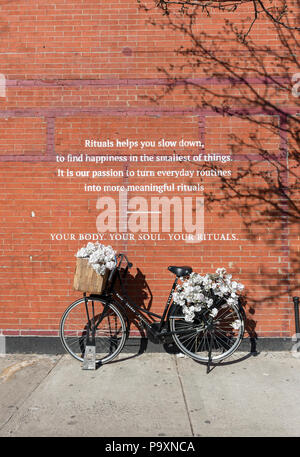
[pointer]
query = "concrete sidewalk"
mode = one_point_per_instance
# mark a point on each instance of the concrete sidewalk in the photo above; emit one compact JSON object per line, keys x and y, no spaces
{"x":149,"y":395}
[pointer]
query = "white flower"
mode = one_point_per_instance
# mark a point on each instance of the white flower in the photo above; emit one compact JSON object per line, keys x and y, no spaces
{"x":224,"y":289}
{"x":199,"y":291}
{"x":198,"y":307}
{"x":221,"y":271}
{"x":82,"y":253}
{"x":236,"y":324}
{"x":199,"y":297}
{"x":213,"y":312}
{"x":100,"y":257}
{"x":209,"y":302}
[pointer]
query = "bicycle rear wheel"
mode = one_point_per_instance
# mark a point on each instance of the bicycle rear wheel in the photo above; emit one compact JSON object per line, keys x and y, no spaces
{"x":209,"y":338}
{"x":111,"y":330}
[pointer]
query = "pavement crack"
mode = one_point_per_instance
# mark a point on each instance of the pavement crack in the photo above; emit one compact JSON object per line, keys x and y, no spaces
{"x":184,"y":397}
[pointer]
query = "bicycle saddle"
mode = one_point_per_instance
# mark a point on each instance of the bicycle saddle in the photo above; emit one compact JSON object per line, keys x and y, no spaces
{"x":180,"y":271}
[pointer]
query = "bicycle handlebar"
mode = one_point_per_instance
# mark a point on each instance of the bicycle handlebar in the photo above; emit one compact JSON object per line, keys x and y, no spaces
{"x":118,"y":266}
{"x":123,"y":256}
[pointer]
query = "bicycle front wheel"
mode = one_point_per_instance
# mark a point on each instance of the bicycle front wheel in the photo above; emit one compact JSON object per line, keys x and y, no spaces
{"x":209,"y":338}
{"x":110,"y":329}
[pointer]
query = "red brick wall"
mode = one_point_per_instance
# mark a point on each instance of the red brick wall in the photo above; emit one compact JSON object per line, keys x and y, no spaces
{"x":86,"y":69}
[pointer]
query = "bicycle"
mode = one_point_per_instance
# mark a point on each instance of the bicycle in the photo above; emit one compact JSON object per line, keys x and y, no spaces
{"x":101,"y":320}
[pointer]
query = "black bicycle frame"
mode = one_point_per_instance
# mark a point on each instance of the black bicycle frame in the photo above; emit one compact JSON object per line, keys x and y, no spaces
{"x":138,"y":310}
{"x":126,"y":302}
{"x":110,"y":295}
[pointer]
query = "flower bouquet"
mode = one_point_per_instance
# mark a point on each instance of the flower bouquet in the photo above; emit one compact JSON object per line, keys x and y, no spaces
{"x":210,"y":292}
{"x":94,"y":261}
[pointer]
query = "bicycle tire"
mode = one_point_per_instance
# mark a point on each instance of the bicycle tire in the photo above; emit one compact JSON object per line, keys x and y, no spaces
{"x":196,"y":338}
{"x":110,"y":336}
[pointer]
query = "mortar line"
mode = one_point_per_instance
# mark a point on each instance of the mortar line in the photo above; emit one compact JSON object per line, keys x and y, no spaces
{"x":184,"y":397}
{"x":29,"y":395}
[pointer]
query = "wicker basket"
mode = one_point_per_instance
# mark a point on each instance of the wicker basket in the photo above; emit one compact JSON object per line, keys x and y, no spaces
{"x":87,"y":280}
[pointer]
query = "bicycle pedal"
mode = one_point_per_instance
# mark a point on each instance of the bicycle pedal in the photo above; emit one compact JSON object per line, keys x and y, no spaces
{"x":153,"y":337}
{"x":89,"y":360}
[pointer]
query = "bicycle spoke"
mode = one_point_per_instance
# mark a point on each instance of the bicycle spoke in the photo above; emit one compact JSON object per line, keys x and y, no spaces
{"x":222,"y":341}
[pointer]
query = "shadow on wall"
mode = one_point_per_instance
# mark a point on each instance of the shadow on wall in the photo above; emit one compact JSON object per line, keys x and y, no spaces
{"x":138,"y":292}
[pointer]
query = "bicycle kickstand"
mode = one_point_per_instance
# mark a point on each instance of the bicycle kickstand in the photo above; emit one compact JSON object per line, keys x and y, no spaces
{"x":89,"y":359}
{"x":209,"y":357}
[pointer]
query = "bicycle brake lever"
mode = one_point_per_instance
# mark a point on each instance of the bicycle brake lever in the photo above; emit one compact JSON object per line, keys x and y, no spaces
{"x":111,"y":274}
{"x":113,"y":271}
